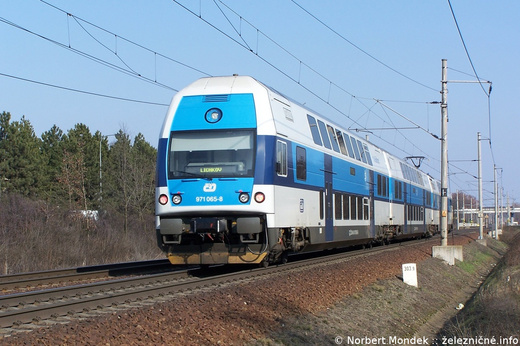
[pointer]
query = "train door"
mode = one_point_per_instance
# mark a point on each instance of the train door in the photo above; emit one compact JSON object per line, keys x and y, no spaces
{"x":405,"y":206}
{"x":329,"y":226}
{"x":372,"y":232}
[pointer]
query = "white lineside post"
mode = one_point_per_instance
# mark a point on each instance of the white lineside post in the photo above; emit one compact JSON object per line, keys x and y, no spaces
{"x":410,"y":274}
{"x":444,"y":156}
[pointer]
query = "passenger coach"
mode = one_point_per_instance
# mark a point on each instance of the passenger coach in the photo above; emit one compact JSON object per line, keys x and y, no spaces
{"x":244,"y":175}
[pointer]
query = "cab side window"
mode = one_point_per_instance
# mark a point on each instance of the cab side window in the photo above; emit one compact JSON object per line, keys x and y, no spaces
{"x":281,"y":158}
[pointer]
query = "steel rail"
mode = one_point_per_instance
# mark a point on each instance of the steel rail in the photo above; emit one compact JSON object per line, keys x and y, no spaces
{"x":34,"y":279}
{"x":68,"y":292}
{"x":97,"y":295}
{"x":131,"y":289}
{"x":79,"y":298}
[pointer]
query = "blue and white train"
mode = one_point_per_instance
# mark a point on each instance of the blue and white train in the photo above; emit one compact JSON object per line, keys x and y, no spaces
{"x":245,"y":175}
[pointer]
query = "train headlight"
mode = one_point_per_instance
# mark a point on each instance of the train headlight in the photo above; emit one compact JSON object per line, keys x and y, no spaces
{"x":163,"y":199}
{"x":259,"y":197}
{"x":213,"y":115}
{"x":176,"y":199}
{"x":243,"y":197}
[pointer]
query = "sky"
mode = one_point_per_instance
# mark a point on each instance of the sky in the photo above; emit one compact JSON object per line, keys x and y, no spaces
{"x":373,"y":67}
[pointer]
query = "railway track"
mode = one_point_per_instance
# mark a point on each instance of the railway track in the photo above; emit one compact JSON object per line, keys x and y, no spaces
{"x":19,"y":310}
{"x":60,"y":276}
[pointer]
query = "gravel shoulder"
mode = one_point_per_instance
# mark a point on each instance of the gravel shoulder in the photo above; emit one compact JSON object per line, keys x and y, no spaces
{"x":359,"y":297}
{"x":389,"y":310}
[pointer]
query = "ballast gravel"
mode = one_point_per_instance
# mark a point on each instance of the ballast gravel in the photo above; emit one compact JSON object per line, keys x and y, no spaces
{"x":236,"y":314}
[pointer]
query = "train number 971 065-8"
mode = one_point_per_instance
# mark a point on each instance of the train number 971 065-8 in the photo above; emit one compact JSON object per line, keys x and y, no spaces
{"x":199,"y":199}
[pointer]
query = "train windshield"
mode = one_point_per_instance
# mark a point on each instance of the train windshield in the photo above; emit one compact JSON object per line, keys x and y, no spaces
{"x":211,"y":154}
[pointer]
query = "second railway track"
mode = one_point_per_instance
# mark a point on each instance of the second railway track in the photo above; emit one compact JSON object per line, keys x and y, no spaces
{"x":25,"y":308}
{"x":50,"y":277}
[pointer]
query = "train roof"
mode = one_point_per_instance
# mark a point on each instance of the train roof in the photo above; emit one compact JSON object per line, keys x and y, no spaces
{"x":284,"y":111}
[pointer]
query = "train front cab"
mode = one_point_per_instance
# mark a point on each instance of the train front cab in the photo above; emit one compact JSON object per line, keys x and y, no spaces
{"x":209,"y":209}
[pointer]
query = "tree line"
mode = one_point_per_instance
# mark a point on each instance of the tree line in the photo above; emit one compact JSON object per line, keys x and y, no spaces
{"x":62,"y":175}
{"x":77,"y":170}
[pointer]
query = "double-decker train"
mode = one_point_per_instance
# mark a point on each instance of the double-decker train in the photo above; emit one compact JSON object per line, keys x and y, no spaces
{"x":245,"y":175}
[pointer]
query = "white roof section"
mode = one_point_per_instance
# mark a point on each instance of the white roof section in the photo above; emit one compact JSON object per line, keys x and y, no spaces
{"x":278,"y":115}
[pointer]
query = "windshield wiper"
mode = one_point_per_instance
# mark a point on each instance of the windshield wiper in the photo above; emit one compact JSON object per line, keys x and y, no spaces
{"x":200,"y":176}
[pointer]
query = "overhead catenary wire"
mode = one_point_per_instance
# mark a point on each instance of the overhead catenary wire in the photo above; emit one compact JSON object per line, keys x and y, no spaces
{"x":466,"y":48}
{"x":88,"y":56}
{"x":371,"y":56}
{"x":132,"y":72}
{"x":77,"y":19}
{"x":361,"y":49}
{"x":84,"y":91}
{"x":480,"y":81}
{"x":324,"y":99}
{"x":258,"y":54}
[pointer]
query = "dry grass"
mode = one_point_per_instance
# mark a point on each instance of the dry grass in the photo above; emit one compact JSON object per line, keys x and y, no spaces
{"x":37,"y":236}
{"x":494,"y":310}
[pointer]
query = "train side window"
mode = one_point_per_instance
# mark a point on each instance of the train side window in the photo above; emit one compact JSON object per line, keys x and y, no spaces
{"x":398,"y":190}
{"x":346,"y":207}
{"x":356,"y":149}
{"x":324,"y":134}
{"x":338,"y":208}
{"x":333,"y":140}
{"x":360,"y":208}
{"x":382,"y":185}
{"x":314,"y":129}
{"x":301,"y":164}
{"x":428,"y":198}
{"x":362,"y":151}
{"x":419,"y":178}
{"x":366,"y":209}
{"x":341,"y":142}
{"x":353,"y":207}
{"x":367,"y":154}
{"x":281,"y":158}
{"x":349,"y":145}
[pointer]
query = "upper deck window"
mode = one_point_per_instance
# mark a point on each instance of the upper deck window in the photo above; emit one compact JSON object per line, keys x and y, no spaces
{"x":324,"y":134}
{"x":361,"y":151}
{"x":411,"y":174}
{"x":356,"y":149}
{"x":314,"y":129}
{"x":341,"y":143}
{"x":367,"y":154}
{"x":349,"y":145}
{"x":333,"y":139}
{"x":211,"y":154}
